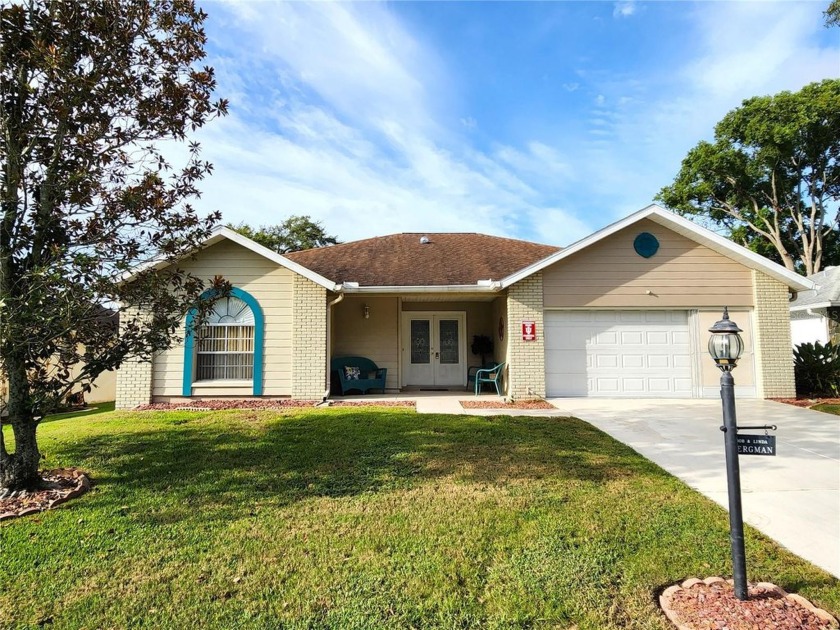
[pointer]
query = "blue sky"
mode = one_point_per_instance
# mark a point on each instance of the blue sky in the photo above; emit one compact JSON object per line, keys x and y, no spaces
{"x":542,"y":121}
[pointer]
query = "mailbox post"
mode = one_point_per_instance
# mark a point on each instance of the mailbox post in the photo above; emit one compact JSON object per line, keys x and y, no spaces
{"x":725,"y":346}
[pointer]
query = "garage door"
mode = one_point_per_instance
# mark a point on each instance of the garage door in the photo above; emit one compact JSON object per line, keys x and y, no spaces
{"x":618,"y":353}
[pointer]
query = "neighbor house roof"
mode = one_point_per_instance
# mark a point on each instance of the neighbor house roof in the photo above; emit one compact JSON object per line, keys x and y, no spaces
{"x":825,"y":293}
{"x":422,"y":259}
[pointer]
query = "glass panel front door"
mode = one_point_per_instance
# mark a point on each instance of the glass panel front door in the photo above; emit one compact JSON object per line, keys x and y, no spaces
{"x":449,"y":342}
{"x":421,"y":341}
{"x":432,"y":352}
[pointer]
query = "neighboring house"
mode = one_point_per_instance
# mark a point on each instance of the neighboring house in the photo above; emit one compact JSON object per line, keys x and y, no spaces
{"x":814,"y":314}
{"x":622,"y":313}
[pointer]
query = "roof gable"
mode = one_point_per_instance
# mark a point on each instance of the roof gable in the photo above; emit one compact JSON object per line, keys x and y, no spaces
{"x":681,"y":226}
{"x":225,"y":233}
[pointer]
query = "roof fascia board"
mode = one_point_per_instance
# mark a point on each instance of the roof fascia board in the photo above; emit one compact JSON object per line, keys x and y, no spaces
{"x":808,"y":307}
{"x":666,"y":219}
{"x":223,"y":232}
{"x":444,"y":288}
{"x":273,"y":256}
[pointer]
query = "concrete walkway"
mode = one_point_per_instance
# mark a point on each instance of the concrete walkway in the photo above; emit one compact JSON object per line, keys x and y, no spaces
{"x":794,"y":497}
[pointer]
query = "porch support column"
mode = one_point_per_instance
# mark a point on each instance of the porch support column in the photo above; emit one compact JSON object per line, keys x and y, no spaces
{"x":526,"y":359}
{"x":309,"y":339}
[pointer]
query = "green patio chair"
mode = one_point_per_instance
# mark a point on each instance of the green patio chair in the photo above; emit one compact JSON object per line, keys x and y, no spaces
{"x":490,"y":375}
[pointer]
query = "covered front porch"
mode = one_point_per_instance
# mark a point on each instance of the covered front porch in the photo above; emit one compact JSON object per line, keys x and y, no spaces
{"x":424,"y":340}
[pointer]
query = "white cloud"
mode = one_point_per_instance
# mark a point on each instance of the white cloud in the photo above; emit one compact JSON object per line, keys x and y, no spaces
{"x":640,"y":131}
{"x":339,"y":116}
{"x":469,"y":122}
{"x":340,"y":112}
{"x":624,"y":9}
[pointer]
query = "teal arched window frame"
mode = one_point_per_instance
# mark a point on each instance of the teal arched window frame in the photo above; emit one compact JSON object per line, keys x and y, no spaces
{"x":259,"y":335}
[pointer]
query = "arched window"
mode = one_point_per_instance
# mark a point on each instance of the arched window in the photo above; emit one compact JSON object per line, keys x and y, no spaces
{"x":228,"y":346}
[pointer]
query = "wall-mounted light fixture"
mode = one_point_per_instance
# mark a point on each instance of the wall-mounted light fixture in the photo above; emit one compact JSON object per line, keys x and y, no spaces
{"x":366,"y":311}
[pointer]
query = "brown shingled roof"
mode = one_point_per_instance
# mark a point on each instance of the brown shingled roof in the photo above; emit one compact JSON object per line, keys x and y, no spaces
{"x":402,"y":260}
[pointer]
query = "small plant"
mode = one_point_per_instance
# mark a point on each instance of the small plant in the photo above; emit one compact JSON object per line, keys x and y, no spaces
{"x":482,"y":345}
{"x":817,"y":369}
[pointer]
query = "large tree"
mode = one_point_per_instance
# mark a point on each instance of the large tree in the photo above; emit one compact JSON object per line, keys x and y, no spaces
{"x":292,"y":235}
{"x":771,"y":177}
{"x":832,"y":14}
{"x":88,"y":93}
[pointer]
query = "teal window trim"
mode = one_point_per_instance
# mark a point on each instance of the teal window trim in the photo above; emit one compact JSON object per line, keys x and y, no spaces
{"x":259,"y":336}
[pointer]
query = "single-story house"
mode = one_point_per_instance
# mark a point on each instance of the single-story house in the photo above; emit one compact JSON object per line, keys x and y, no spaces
{"x":622,"y":313}
{"x":815,"y":314}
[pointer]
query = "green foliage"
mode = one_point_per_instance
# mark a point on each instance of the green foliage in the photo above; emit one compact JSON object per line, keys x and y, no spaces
{"x":771,"y":178}
{"x":817,"y":369}
{"x":365,"y":518}
{"x":294,"y":234}
{"x":88,"y":91}
{"x":832,"y":14}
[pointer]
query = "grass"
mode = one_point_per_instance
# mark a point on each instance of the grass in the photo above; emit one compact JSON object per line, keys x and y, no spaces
{"x":350,"y":518}
{"x":95,"y":408}
{"x":828,"y":408}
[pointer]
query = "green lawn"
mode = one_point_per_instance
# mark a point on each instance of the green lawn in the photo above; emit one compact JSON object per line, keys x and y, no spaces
{"x":349,"y":518}
{"x":828,"y":408}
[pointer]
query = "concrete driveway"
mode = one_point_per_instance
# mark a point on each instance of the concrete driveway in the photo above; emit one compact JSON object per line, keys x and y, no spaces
{"x":793,"y":497}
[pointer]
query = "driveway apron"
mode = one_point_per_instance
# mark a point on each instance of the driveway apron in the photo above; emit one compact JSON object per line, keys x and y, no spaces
{"x":793,"y":497}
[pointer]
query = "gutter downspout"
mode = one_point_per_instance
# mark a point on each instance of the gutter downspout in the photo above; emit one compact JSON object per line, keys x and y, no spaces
{"x":330,"y":306}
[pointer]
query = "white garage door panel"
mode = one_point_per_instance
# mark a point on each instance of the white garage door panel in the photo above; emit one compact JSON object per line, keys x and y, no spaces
{"x":618,"y":353}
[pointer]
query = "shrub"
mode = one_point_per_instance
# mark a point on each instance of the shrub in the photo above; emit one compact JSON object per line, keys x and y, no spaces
{"x":817,"y":369}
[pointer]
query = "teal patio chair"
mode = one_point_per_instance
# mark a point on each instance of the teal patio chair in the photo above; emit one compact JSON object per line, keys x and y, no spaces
{"x":490,"y":375}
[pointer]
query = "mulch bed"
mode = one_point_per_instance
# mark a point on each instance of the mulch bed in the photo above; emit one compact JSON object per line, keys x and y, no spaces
{"x":219,"y":405}
{"x":711,"y":604}
{"x":808,"y":402}
{"x":59,"y":486}
{"x":496,"y":404}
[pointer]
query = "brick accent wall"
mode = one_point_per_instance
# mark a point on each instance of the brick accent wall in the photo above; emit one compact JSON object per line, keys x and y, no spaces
{"x":526,"y":359}
{"x":309,"y":339}
{"x":774,"y":361}
{"x":134,"y":378}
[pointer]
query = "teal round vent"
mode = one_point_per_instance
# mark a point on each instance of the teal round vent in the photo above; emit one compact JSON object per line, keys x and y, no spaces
{"x":646,"y":244}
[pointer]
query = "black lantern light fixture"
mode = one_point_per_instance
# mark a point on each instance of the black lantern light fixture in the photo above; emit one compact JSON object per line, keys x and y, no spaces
{"x":725,"y":346}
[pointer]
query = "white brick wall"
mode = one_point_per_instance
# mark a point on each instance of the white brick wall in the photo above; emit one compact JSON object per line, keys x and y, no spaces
{"x":526,"y":359}
{"x":309,"y":340}
{"x":774,"y":361}
{"x":134,"y":378}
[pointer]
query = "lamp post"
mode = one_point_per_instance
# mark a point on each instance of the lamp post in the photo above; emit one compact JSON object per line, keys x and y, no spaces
{"x":725,"y":346}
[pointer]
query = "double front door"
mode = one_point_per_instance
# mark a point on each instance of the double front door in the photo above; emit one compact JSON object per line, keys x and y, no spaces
{"x":434,"y":349}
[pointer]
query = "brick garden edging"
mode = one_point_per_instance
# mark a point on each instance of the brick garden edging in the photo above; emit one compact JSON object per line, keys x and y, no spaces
{"x":60,"y":485}
{"x":666,"y":600}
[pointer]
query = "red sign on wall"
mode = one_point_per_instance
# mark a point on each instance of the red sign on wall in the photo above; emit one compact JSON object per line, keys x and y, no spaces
{"x":529,"y":331}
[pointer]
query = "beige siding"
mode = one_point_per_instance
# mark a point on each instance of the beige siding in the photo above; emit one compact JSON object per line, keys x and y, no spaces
{"x":104,"y":388}
{"x":709,"y":373}
{"x":499,"y":315}
{"x":376,"y":338}
{"x":271,"y":286}
{"x":683,"y":273}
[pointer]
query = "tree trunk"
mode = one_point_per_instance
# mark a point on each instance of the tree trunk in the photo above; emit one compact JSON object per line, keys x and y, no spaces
{"x":19,"y":471}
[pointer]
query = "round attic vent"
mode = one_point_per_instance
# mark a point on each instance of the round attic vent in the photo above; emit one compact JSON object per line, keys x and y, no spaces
{"x":424,"y":240}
